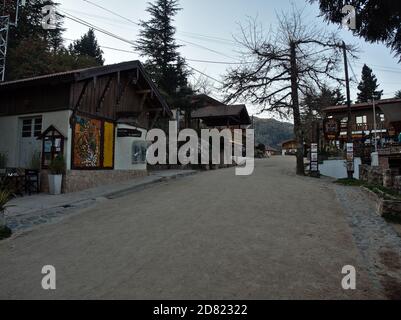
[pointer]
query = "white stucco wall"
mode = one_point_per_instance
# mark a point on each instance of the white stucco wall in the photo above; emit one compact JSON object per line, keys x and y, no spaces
{"x":10,"y":133}
{"x":336,"y":168}
{"x":123,"y":151}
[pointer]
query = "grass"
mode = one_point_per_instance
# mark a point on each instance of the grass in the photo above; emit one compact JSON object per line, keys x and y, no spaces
{"x":350,"y":182}
{"x":382,"y":192}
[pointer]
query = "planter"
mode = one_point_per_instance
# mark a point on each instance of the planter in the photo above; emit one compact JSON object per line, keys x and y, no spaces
{"x":55,"y":182}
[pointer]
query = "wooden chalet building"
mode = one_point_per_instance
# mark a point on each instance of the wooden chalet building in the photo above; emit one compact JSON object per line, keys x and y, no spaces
{"x":96,"y":117}
{"x":388,"y":125}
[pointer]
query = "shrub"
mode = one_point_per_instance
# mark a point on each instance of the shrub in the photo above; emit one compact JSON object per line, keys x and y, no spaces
{"x":57,"y":166}
{"x":5,"y":197}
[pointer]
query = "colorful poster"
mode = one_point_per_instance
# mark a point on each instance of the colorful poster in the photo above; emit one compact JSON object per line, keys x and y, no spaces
{"x":108,"y":146}
{"x":87,"y":143}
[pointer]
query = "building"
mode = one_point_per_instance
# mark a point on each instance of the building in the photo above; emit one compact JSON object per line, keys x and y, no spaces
{"x":97,"y":118}
{"x":289,"y":148}
{"x":223,"y":116}
{"x":364,"y":132}
{"x":270,"y":151}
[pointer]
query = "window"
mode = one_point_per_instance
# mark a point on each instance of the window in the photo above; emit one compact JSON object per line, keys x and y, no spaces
{"x":344,"y":122}
{"x":361,"y":120}
{"x":139,"y":149}
{"x":31,"y":127}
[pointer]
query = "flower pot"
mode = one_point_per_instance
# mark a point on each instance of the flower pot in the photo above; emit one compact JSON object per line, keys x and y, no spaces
{"x":55,"y":182}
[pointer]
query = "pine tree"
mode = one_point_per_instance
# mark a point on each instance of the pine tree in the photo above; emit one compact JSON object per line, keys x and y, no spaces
{"x":398,"y":94}
{"x":88,"y":46}
{"x":157,"y":44}
{"x":368,"y":86}
{"x":35,"y":51}
{"x":30,"y":25}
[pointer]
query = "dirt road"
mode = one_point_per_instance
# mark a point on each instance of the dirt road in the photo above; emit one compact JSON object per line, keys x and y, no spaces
{"x":214,"y":235}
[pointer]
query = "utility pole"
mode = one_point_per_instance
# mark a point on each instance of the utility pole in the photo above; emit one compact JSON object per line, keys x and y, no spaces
{"x":374,"y":122}
{"x":5,"y":24}
{"x":350,"y":145}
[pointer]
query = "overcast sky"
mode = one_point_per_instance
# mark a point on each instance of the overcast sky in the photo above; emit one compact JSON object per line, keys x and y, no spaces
{"x":211,"y":24}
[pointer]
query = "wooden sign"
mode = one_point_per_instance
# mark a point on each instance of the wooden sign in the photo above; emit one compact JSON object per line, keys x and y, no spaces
{"x":332,"y":129}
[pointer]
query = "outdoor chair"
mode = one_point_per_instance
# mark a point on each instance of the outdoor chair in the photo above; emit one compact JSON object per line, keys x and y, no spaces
{"x":31,"y":181}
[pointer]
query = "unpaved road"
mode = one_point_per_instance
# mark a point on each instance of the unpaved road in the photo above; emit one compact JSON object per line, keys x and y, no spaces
{"x":214,"y":235}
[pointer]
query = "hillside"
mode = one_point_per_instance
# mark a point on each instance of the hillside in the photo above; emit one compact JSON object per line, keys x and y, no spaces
{"x":272,"y":133}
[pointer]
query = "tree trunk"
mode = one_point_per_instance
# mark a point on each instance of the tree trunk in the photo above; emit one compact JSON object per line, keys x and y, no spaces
{"x":296,"y":112}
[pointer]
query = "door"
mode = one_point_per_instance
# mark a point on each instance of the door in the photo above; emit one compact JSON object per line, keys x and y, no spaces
{"x":30,"y":146}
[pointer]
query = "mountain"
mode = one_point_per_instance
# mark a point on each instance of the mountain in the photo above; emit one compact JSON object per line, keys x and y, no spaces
{"x":271,"y":132}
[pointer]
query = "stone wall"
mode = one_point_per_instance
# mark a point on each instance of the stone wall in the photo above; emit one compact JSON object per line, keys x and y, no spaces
{"x":372,"y":175}
{"x":78,"y":180}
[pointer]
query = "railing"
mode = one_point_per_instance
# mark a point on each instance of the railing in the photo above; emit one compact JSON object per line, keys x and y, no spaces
{"x":364,"y":127}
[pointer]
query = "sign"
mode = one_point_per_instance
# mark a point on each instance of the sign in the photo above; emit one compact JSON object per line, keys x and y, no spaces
{"x":314,"y":159}
{"x":332,"y":129}
{"x":131,"y":133}
{"x":350,"y":157}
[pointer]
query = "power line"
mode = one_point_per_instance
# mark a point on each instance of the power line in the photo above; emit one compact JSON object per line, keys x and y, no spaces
{"x":137,"y":24}
{"x":112,"y":12}
{"x":204,"y":74}
{"x":382,"y":68}
{"x":87,"y":24}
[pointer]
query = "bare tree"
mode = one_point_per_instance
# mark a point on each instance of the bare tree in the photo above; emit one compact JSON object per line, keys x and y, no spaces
{"x":202,"y":85}
{"x":283,"y":64}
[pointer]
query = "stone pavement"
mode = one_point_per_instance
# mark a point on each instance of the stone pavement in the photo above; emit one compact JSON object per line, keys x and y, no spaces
{"x":31,"y":211}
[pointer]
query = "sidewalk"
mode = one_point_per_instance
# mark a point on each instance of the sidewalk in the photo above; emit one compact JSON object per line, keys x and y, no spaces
{"x":31,"y":211}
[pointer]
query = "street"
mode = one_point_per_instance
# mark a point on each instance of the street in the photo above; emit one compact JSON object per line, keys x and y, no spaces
{"x":214,"y":235}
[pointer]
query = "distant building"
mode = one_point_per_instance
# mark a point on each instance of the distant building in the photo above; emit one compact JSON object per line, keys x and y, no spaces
{"x":270,"y":151}
{"x":289,"y":148}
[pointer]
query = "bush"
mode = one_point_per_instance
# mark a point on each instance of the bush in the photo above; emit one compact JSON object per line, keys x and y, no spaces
{"x":5,"y":196}
{"x":5,"y":232}
{"x":57,"y":166}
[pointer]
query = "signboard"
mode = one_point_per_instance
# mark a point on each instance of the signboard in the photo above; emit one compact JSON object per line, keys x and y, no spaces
{"x":350,"y":157}
{"x":332,"y":129}
{"x":132,"y":133}
{"x":314,"y":159}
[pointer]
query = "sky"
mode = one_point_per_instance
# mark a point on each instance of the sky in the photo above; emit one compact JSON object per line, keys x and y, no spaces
{"x":206,"y":28}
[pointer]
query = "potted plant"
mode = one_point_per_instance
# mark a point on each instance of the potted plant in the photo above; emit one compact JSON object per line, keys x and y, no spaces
{"x":57,"y":169}
{"x":5,"y":197}
{"x":3,"y":163}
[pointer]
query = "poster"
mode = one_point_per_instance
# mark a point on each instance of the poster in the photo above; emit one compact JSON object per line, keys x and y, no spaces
{"x":108,"y":145}
{"x":87,"y":143}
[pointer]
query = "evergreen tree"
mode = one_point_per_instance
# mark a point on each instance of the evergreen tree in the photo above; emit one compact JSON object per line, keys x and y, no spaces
{"x":35,"y":51}
{"x":377,"y":21}
{"x":30,"y":25}
{"x":88,"y":46}
{"x":368,"y":86}
{"x":157,"y":44}
{"x":398,"y":94}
